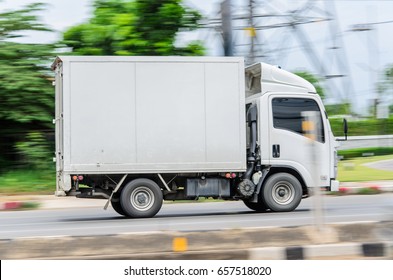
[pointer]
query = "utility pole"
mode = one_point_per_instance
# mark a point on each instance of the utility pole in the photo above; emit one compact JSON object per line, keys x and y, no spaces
{"x":226,"y":19}
{"x":372,"y":61}
{"x":338,"y":55}
{"x":251,"y":32}
{"x":238,"y":31}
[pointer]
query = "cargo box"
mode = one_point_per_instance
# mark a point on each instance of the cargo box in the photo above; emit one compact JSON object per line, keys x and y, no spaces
{"x":149,"y":115}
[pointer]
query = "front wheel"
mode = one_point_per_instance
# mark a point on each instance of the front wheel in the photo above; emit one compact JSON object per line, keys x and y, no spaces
{"x":141,"y":198}
{"x":256,"y":206}
{"x":282,"y":192}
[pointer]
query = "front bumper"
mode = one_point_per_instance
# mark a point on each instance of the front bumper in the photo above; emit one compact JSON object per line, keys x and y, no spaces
{"x":334,"y":185}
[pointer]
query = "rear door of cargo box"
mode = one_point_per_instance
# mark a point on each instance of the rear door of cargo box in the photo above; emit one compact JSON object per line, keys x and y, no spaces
{"x":58,"y":121}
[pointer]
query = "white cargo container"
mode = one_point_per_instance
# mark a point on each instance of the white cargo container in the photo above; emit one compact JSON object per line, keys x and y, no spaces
{"x":137,"y":130}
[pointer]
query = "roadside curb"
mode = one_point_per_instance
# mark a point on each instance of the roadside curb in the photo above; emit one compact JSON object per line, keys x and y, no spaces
{"x":324,"y":251}
{"x":341,"y":251}
{"x":353,"y":240}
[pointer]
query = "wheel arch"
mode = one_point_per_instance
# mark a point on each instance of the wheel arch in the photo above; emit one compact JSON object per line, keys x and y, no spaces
{"x":132,"y":177}
{"x":293,"y":172}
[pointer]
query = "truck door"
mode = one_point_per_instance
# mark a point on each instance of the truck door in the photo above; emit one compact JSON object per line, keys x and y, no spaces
{"x":289,"y":146}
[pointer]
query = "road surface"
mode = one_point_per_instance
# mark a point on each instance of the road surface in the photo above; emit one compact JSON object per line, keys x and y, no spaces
{"x":190,"y":217}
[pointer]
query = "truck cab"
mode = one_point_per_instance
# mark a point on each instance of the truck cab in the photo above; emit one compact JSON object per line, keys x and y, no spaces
{"x":286,"y":152}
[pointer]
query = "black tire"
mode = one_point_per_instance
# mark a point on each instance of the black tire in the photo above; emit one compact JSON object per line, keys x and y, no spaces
{"x":282,"y":192}
{"x":141,"y":198}
{"x":116,"y":204}
{"x":256,"y":206}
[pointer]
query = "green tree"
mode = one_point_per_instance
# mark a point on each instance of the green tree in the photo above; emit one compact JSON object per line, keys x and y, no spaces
{"x":386,"y":86}
{"x":389,"y":74}
{"x":313,"y":80}
{"x":26,"y":94}
{"x":338,"y":109}
{"x":139,"y":27}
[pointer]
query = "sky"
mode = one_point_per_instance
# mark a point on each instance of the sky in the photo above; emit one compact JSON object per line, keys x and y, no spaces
{"x":366,"y":53}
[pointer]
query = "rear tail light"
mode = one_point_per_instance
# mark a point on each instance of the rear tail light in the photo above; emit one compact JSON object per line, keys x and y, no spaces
{"x":230,"y":175}
{"x":77,"y":178}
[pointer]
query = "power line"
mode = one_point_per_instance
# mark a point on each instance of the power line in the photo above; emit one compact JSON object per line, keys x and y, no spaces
{"x":253,"y":20}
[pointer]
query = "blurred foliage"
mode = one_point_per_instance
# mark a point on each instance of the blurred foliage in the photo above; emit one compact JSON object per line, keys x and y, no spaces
{"x":362,"y":127}
{"x":26,"y":94}
{"x":338,"y":109}
{"x":11,"y":22}
{"x":139,"y":27}
{"x":361,"y":152}
{"x":35,"y":151}
{"x":313,"y":80}
{"x":27,"y":181}
{"x":385,"y":89}
{"x":386,"y":85}
{"x":389,"y":74}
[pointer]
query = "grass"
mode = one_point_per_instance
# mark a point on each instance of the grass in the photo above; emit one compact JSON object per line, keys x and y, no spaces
{"x":27,"y":181}
{"x":354,"y":170}
{"x":30,"y":205}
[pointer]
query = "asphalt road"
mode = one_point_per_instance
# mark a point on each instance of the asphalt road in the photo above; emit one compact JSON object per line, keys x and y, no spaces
{"x":190,"y":217}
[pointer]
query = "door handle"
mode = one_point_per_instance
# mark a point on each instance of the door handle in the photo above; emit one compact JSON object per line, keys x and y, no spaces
{"x":276,"y":151}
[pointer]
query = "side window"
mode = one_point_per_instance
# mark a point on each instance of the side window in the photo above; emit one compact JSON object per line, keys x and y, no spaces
{"x":287,"y":114}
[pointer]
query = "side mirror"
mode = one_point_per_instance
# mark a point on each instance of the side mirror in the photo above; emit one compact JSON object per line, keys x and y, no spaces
{"x":345,"y":127}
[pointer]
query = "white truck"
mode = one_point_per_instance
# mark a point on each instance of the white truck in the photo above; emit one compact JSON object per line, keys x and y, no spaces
{"x":140,"y":130}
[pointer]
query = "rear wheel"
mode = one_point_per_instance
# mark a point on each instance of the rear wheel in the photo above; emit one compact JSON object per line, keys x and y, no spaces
{"x":282,"y":192}
{"x":141,"y":198}
{"x":116,"y":204}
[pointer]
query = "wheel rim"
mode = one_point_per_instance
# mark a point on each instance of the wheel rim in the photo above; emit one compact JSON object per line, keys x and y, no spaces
{"x":283,"y":193}
{"x":142,"y":198}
